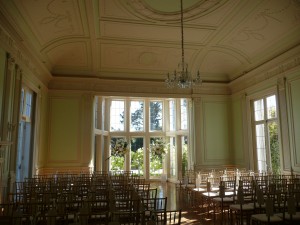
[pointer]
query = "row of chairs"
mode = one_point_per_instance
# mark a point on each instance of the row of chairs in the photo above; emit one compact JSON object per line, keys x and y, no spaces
{"x":224,"y":194}
{"x":87,"y":199}
{"x":275,"y":200}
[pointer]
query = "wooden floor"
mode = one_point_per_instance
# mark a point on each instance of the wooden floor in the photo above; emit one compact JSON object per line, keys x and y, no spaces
{"x":191,"y":213}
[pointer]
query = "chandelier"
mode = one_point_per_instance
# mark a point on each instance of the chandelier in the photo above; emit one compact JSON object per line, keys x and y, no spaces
{"x":182,"y":78}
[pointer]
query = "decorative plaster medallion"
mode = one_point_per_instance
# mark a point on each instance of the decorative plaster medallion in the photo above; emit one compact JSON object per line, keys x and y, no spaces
{"x":169,"y":10}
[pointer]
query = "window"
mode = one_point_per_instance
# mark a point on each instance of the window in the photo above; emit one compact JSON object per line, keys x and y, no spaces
{"x":96,"y":112}
{"x":26,"y":104}
{"x":173,"y":157}
{"x":184,"y":142}
{"x":136,"y":116}
{"x":137,"y":155}
{"x":172,"y":113}
{"x":140,"y":122}
{"x":117,"y":161}
{"x":156,"y":115}
{"x":156,"y":161}
{"x":184,"y":113}
{"x":266,"y":134}
{"x":117,"y":115}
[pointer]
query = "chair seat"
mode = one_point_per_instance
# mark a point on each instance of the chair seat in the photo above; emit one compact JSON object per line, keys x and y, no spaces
{"x":287,"y":216}
{"x":264,"y":218}
{"x":226,"y":199}
{"x":244,"y":207}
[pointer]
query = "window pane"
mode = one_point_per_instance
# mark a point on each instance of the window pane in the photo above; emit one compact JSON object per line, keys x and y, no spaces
{"x":28,"y":104}
{"x":184,"y":113}
{"x":259,"y":110}
{"x":156,"y":115}
{"x":172,"y":157}
{"x":96,"y":113}
{"x":117,"y":116}
{"x":274,"y":147}
{"x":261,"y":147}
{"x":271,"y":107}
{"x":156,"y":161}
{"x":184,"y":142}
{"x":117,"y":162}
{"x":136,"y":116}
{"x":172,"y":114}
{"x":137,"y":155}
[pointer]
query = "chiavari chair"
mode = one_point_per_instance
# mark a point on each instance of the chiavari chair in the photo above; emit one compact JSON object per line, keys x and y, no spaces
{"x":151,"y":205}
{"x":169,"y":217}
{"x":244,"y":206}
{"x":225,"y":196}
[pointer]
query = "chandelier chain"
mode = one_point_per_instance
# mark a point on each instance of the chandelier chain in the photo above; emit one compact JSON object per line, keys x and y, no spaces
{"x":182,"y":78}
{"x":182,"y":37}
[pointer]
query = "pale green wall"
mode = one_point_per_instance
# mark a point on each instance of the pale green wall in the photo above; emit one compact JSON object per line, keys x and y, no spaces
{"x":64,"y":136}
{"x":43,"y":129}
{"x":295,"y":121}
{"x":2,"y":69}
{"x":237,"y":131}
{"x":216,"y":144}
{"x":70,"y":132}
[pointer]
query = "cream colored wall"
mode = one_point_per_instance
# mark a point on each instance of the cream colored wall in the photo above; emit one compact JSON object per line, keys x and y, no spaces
{"x":69,"y":133}
{"x":2,"y":69}
{"x":293,"y":88}
{"x":239,"y":154}
{"x":213,"y":132}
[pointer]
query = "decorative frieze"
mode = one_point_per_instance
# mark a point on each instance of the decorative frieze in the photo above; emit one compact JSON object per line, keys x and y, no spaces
{"x":11,"y":46}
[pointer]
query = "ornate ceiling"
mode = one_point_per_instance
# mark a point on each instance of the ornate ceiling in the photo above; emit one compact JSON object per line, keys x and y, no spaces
{"x":140,"y":39}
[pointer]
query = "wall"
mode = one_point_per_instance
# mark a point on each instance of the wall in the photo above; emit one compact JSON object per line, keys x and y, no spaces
{"x":2,"y":69}
{"x":69,"y":133}
{"x":239,"y":154}
{"x":213,"y":132}
{"x":293,"y":95}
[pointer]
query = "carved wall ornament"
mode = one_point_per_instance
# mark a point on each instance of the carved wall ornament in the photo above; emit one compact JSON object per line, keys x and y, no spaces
{"x":61,"y":20}
{"x":282,"y":68}
{"x":265,"y":17}
{"x":16,"y":54}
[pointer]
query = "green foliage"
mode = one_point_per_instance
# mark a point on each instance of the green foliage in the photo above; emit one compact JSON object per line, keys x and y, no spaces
{"x":137,"y":160}
{"x":117,"y":163}
{"x":155,"y":115}
{"x":137,"y":118}
{"x":184,"y":159}
{"x":274,"y":147}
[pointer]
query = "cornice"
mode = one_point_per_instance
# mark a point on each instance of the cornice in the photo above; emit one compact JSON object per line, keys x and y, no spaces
{"x":275,"y":68}
{"x":25,"y":59}
{"x":132,"y":88}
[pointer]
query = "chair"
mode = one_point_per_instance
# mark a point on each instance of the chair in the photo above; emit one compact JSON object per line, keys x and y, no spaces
{"x":87,"y":215}
{"x":6,"y":210}
{"x":244,"y":207}
{"x":170,"y":217}
{"x":150,"y":205}
{"x":291,"y":215}
{"x":17,"y":217}
{"x":269,"y":217}
{"x":127,"y":218}
{"x":226,"y":196}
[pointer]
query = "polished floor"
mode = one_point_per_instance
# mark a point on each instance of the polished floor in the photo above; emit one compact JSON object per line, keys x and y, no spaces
{"x":179,"y":199}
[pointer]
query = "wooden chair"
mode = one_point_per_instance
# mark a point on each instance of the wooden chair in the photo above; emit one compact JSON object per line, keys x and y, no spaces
{"x":244,"y":207}
{"x":226,"y":197}
{"x":151,"y":205}
{"x":127,"y":218}
{"x":269,"y":217}
{"x":170,"y":217}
